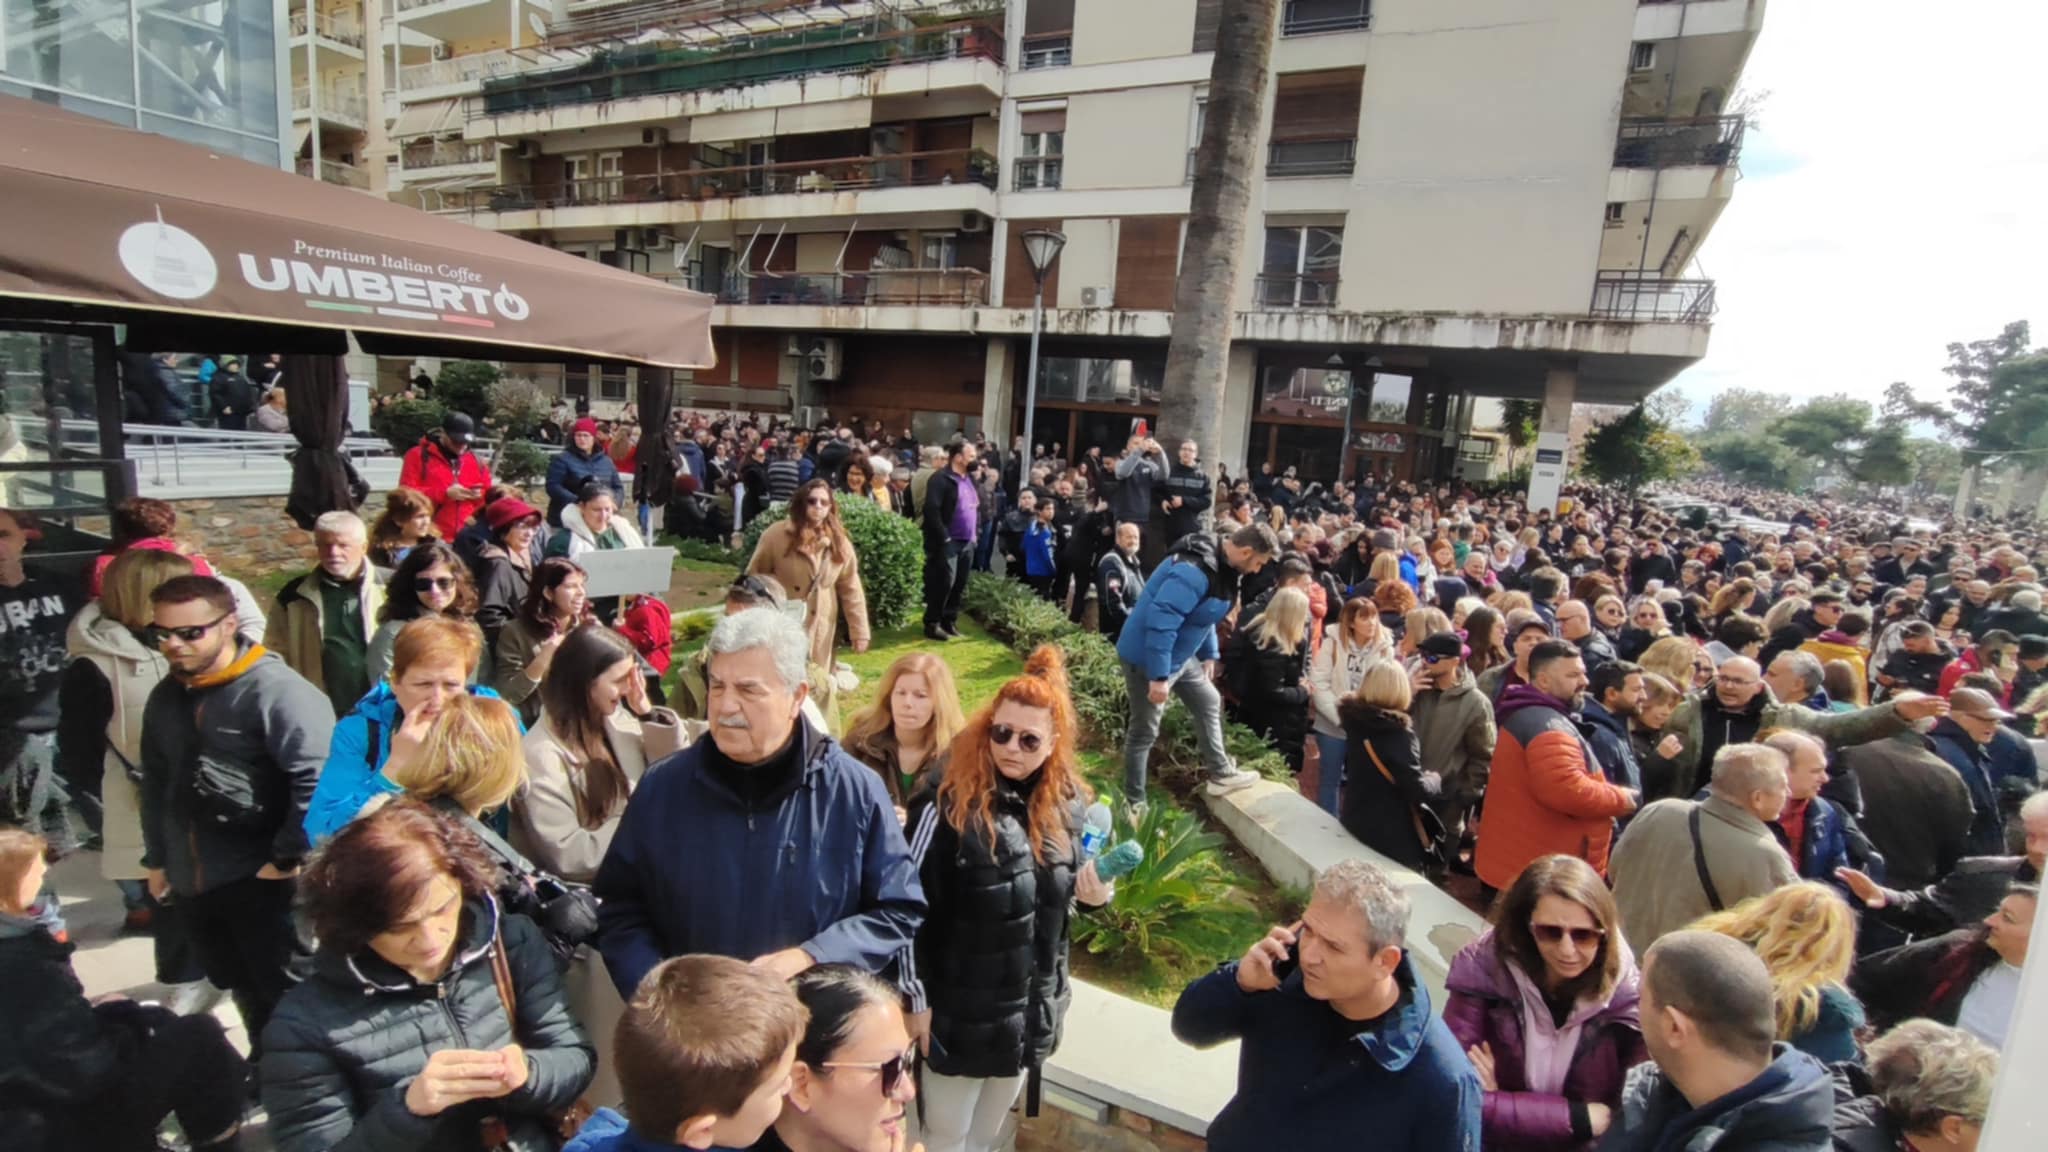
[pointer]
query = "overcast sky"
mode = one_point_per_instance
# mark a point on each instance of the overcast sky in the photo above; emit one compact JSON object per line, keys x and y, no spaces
{"x":1895,"y":198}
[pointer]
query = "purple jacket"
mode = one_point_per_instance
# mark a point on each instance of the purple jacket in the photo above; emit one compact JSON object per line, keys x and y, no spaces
{"x":1484,"y":1006}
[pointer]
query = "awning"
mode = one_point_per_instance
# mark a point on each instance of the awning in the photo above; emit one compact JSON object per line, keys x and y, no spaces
{"x":110,"y":224}
{"x":427,"y":118}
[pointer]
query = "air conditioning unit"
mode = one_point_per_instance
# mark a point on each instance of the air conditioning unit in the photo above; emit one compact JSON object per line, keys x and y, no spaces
{"x":809,"y":417}
{"x":652,"y":136}
{"x":655,"y":240}
{"x":1102,"y":297}
{"x":443,"y":51}
{"x":796,"y":346}
{"x":973,"y":222}
{"x":527,"y":150}
{"x":824,"y":358}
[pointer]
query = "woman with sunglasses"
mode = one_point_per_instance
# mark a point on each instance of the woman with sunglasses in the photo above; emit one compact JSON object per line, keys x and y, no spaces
{"x":433,"y":660}
{"x":1545,"y":1004}
{"x":813,"y":558}
{"x":432,"y":580}
{"x":855,"y":1075}
{"x":1646,"y":625}
{"x":998,"y":842}
{"x":555,"y":605}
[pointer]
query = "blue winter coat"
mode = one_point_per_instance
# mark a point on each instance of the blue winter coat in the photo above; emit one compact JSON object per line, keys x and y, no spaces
{"x":1960,"y":751}
{"x":353,"y":774}
{"x":1608,"y":734}
{"x":822,"y":866}
{"x":1176,"y":615}
{"x":570,"y":470}
{"x":1039,"y":542}
{"x":1404,"y":1086}
{"x":1825,"y":847}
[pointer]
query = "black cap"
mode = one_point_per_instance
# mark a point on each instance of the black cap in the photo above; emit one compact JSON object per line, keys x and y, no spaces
{"x":1444,"y":645}
{"x":2033,"y":647}
{"x":458,"y":427}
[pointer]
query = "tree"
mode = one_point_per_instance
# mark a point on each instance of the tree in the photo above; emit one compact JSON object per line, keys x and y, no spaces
{"x":1205,"y":297}
{"x":1825,"y":428}
{"x":1884,"y":461}
{"x":1520,"y":420}
{"x":1937,"y":466}
{"x":1744,"y":411}
{"x":465,"y":386}
{"x":1635,"y":449}
{"x":1758,"y":460}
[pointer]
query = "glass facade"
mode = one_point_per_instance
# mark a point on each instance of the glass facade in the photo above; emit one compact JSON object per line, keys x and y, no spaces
{"x":206,"y":71}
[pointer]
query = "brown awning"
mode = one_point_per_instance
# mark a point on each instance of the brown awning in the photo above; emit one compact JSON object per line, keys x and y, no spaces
{"x":127,"y":226}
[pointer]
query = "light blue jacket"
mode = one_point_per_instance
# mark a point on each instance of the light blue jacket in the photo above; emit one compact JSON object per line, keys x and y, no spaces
{"x":1176,"y":615}
{"x":353,"y":775}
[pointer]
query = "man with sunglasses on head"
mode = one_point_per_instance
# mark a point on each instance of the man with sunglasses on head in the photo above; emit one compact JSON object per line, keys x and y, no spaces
{"x":232,"y":745}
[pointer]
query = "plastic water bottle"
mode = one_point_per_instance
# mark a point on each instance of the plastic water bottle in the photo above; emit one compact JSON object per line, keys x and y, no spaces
{"x":1095,"y":828}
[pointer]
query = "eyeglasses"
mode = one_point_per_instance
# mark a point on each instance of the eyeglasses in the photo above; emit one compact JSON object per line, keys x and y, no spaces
{"x":1027,"y":742}
{"x":155,"y":637}
{"x":1432,"y":659}
{"x":821,"y":501}
{"x":433,"y":584}
{"x":1555,"y":934}
{"x":892,"y":1069}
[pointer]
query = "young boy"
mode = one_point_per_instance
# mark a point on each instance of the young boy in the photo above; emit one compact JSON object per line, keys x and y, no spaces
{"x":703,"y":1055}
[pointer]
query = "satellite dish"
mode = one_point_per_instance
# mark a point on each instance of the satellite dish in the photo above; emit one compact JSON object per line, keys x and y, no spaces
{"x":539,"y":26}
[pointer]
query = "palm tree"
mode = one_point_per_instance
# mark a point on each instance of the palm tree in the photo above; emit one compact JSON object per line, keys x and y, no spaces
{"x":1205,"y":297}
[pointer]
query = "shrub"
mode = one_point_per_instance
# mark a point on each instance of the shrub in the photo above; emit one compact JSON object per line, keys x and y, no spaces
{"x":519,"y":406}
{"x":891,"y":552}
{"x":1180,"y":907}
{"x":403,"y":421}
{"x":465,"y":386}
{"x":518,"y":462}
{"x":694,"y":548}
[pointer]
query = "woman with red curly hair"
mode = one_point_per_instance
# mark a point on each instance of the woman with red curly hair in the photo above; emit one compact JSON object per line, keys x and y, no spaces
{"x":998,"y":843}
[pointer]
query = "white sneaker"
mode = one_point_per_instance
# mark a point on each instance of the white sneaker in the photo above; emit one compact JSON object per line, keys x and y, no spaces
{"x":196,"y":998}
{"x":1234,"y":780}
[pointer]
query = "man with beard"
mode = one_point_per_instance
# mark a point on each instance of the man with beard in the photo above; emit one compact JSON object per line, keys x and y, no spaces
{"x":1614,"y":696}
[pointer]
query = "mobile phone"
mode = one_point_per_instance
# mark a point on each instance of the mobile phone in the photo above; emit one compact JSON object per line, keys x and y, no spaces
{"x":1284,"y":968}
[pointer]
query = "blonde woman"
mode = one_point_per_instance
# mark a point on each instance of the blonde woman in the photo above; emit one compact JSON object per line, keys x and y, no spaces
{"x":1385,"y":570}
{"x":1806,"y":936}
{"x":905,"y":734}
{"x":1418,"y":624}
{"x":471,"y":761}
{"x":1350,"y":646}
{"x":1268,"y":671}
{"x":1646,"y":625}
{"x":1386,"y":795}
{"x":1680,"y":661}
{"x":1735,"y":596}
{"x":1782,"y":614}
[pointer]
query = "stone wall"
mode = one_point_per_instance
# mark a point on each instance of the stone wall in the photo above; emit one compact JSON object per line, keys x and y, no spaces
{"x":1058,"y":1130}
{"x":247,"y":536}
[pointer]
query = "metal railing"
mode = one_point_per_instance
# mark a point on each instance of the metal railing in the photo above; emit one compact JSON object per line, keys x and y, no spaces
{"x":1304,"y":291}
{"x":1046,"y":50}
{"x":440,"y":153}
{"x":335,"y":172}
{"x":337,"y":104}
{"x":652,"y":70}
{"x":1635,"y":296}
{"x":955,"y":287}
{"x":165,"y":452}
{"x":479,"y":66}
{"x":409,"y":5}
{"x":1327,"y":156}
{"x":1314,"y":17}
{"x":854,"y":173}
{"x":1035,"y":172}
{"x":1715,"y":141}
{"x":341,"y":30}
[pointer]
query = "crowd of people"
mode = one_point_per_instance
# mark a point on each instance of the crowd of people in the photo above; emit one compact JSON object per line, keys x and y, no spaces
{"x":1753,"y":812}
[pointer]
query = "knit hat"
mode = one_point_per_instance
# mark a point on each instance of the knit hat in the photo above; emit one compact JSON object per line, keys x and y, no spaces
{"x":584,"y":425}
{"x":507,"y":512}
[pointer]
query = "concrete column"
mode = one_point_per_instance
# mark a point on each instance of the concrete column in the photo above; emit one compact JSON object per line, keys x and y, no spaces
{"x":996,"y":382}
{"x":1546,"y":475}
{"x":376,"y":142}
{"x":1240,"y":389}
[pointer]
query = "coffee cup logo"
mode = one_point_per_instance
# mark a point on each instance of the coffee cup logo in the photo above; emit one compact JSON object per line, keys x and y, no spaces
{"x":168,"y":260}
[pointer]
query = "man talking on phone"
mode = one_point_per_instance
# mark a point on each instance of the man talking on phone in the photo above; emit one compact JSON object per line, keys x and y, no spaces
{"x":1339,"y":1047}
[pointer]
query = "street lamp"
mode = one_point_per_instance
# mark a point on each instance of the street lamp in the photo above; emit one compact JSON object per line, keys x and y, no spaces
{"x":1042,"y":246}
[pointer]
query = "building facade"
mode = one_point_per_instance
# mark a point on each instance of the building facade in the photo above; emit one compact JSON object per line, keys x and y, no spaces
{"x":1455,"y":199}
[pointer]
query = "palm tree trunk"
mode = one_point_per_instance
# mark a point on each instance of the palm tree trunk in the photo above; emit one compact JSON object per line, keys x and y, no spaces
{"x":1205,"y":297}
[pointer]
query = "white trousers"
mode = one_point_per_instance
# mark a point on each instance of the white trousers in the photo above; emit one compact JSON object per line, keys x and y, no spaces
{"x":967,"y":1115}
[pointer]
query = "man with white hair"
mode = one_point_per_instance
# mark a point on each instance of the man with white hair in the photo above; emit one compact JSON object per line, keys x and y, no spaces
{"x":1681,"y":859}
{"x":767,"y":842}
{"x":323,"y":620}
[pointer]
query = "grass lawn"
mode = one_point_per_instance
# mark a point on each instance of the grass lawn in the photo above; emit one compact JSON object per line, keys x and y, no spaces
{"x":980,"y":663}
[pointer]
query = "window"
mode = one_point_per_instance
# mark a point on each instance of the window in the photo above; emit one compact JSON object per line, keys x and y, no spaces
{"x":1042,"y":133}
{"x":1615,"y":208}
{"x":1310,"y":17}
{"x":941,"y":251}
{"x":1642,"y":56}
{"x":1299,"y":269}
{"x":611,"y":387}
{"x":939,"y":427}
{"x":1047,"y":52}
{"x":594,"y":177}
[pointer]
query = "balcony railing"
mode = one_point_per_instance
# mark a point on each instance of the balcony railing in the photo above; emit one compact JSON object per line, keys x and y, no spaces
{"x":335,"y":172}
{"x":340,"y":29}
{"x":1319,"y":157}
{"x":855,"y":173}
{"x":441,"y":153}
{"x":473,"y":67}
{"x":1305,"y":291}
{"x":1714,"y":141}
{"x":901,"y":287}
{"x":1031,"y":173}
{"x":650,"y":71}
{"x":1314,"y":17}
{"x":1047,"y":50}
{"x":335,"y":104}
{"x":1634,"y":296}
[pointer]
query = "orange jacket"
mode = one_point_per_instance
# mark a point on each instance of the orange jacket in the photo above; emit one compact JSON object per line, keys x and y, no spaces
{"x":1545,"y":793}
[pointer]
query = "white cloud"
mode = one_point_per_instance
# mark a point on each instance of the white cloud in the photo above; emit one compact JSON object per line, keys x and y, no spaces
{"x":1894,"y":200}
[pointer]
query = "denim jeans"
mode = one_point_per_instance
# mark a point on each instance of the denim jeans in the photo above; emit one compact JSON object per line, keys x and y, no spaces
{"x":1204,"y":703}
{"x":1330,"y":778}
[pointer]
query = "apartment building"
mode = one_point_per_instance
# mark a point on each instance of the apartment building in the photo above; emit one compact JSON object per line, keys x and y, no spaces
{"x":1456,"y":199}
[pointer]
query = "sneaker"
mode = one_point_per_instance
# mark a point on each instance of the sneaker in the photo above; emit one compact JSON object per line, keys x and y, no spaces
{"x":196,"y":998}
{"x":951,"y":632}
{"x":934,"y":632}
{"x":1134,"y":812}
{"x":1233,"y":779}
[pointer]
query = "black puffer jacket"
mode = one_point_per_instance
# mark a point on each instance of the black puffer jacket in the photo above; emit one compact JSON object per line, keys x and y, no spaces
{"x":58,"y":1053}
{"x":342,"y":1047}
{"x":1861,"y":1123}
{"x":992,"y":954}
{"x":1271,"y":689}
{"x":1381,"y":812}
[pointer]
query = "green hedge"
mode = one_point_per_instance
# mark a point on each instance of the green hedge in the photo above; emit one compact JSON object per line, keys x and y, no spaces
{"x":891,"y":554}
{"x":402,"y":422}
{"x":1101,"y":702}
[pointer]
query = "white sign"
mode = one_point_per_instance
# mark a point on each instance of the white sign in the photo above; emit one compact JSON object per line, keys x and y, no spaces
{"x":624,"y":571}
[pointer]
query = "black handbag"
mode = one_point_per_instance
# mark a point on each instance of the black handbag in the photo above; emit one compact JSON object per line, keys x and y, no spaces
{"x":229,"y":794}
{"x":565,"y":912}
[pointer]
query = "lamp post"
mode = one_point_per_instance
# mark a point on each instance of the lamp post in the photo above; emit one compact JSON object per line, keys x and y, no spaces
{"x":1043,"y":246}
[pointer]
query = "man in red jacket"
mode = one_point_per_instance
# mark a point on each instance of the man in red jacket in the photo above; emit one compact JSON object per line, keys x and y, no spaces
{"x":443,"y":469}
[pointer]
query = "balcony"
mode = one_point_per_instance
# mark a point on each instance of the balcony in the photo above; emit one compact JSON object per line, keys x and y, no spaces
{"x":338,"y":29}
{"x":1278,"y":292}
{"x":1311,"y":157}
{"x":473,"y":68}
{"x":1634,"y":296}
{"x":447,"y":153}
{"x":460,"y":21}
{"x":651,"y":71}
{"x":1046,"y":50}
{"x":335,"y":172}
{"x":337,"y":105}
{"x":1713,"y":142}
{"x":1315,"y":17}
{"x":853,"y":174}
{"x":1035,"y":173}
{"x":897,"y":287}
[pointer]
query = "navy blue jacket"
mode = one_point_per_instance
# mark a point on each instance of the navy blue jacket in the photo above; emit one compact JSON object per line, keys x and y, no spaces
{"x":1404,"y":1086}
{"x":1789,"y":1108}
{"x":1830,"y":841}
{"x":570,"y":470}
{"x":1972,"y":762}
{"x":822,"y":866}
{"x":1175,"y":618}
{"x":1608,"y":734}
